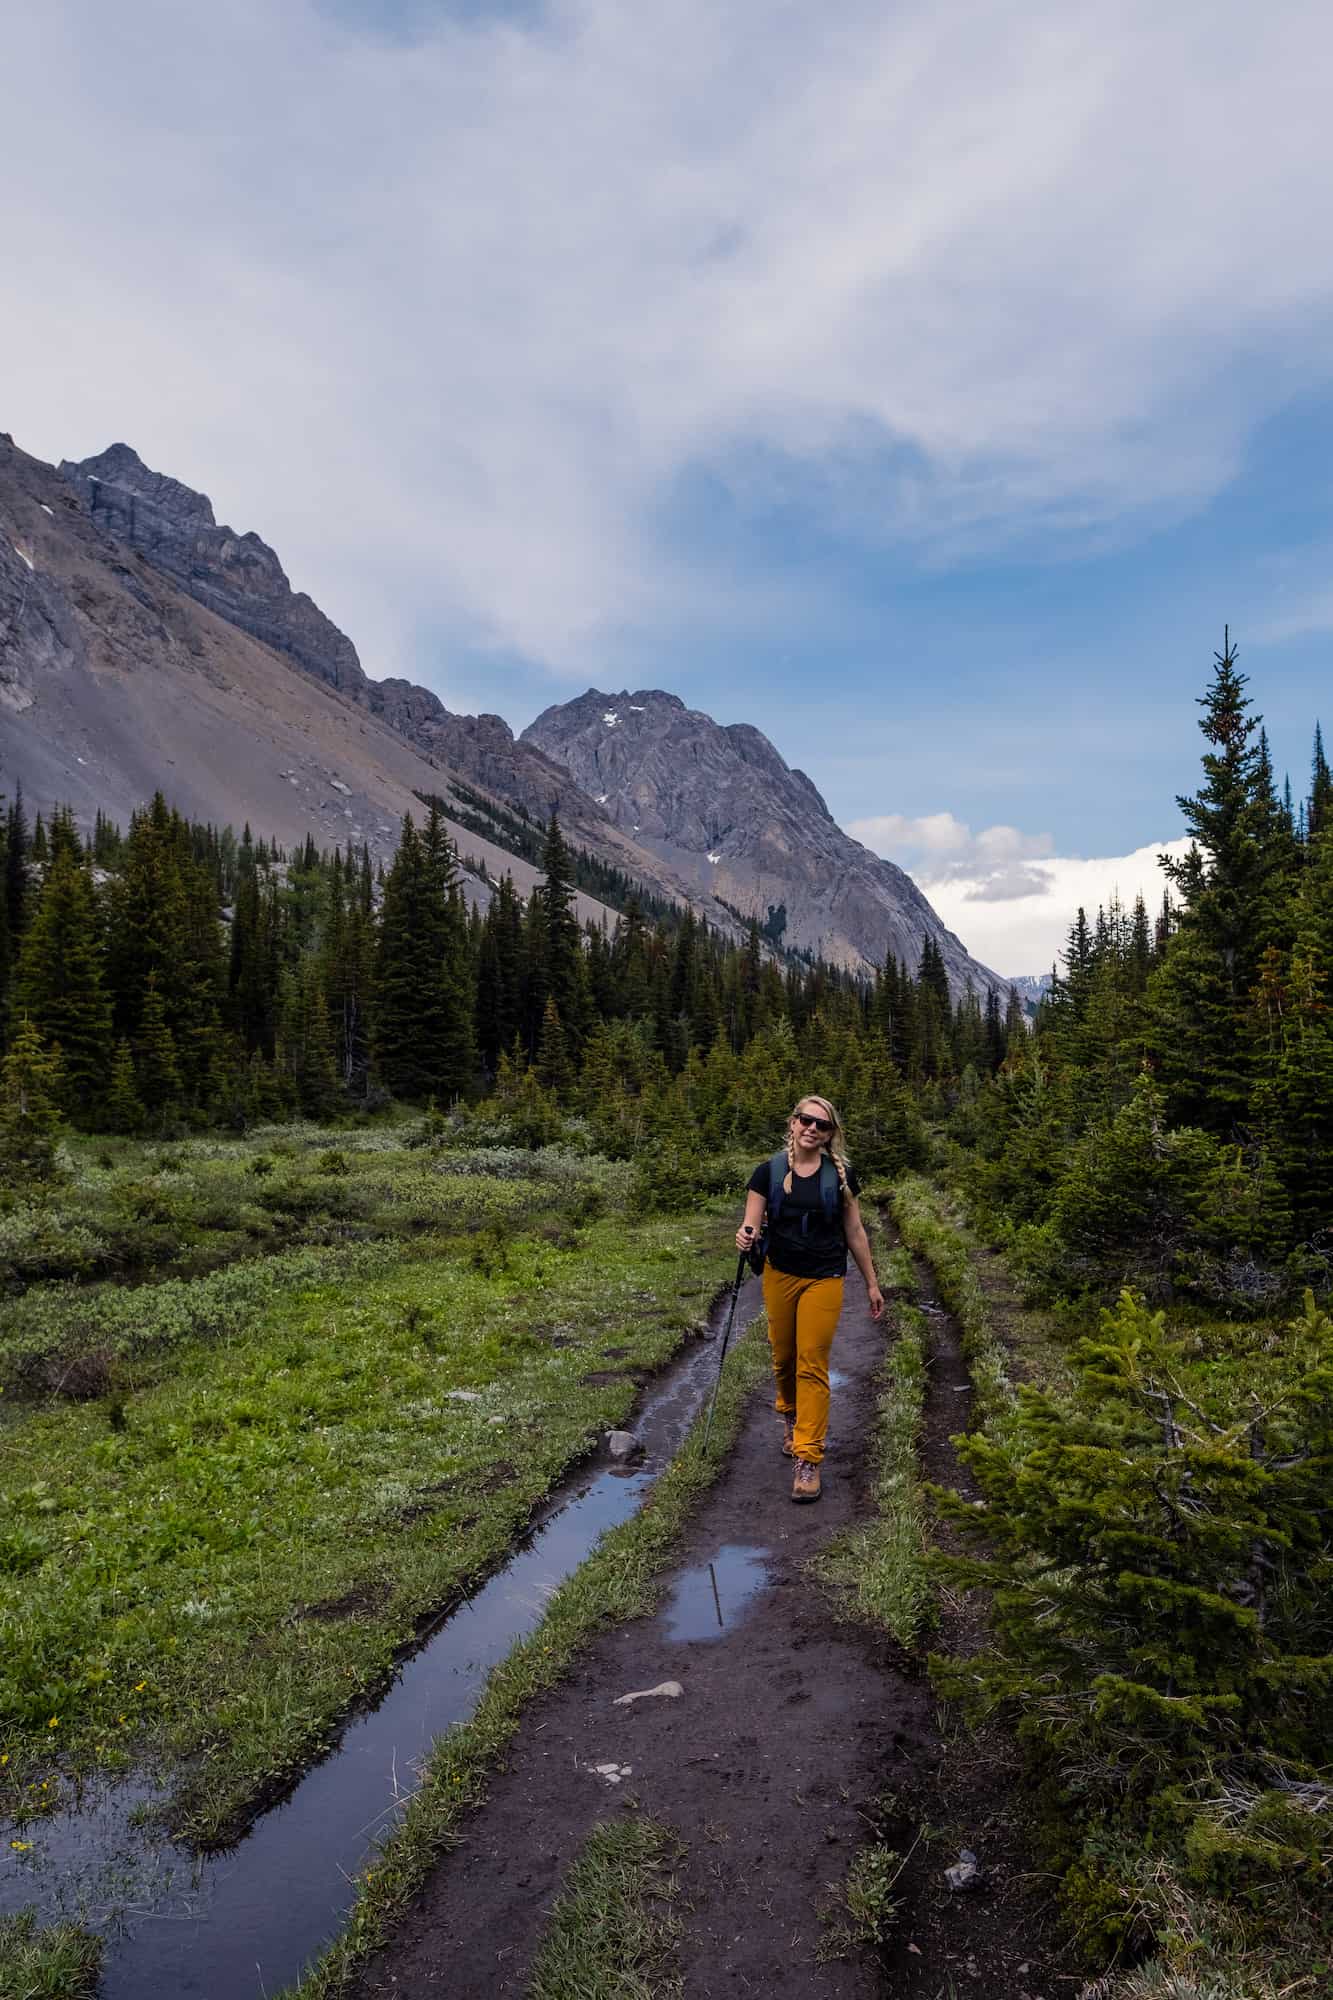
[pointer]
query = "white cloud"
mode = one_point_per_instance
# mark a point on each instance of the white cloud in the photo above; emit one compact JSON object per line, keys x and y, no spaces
{"x":999,"y":862}
{"x":448,"y":315}
{"x":1008,"y":896}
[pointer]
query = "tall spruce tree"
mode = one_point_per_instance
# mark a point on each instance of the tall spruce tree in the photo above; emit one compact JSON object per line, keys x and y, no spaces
{"x":423,"y":999}
{"x":565,"y":974}
{"x":60,"y":983}
{"x":1229,"y":886}
{"x":123,"y":1110}
{"x":155,"y":1060}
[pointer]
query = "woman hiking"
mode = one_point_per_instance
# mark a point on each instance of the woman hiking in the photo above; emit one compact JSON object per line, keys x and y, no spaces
{"x":808,"y":1192}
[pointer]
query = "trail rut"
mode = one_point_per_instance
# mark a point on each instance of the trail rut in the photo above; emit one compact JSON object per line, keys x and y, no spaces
{"x":796,"y":1740}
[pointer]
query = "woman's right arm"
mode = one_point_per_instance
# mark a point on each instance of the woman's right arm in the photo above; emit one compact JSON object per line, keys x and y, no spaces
{"x":754,"y":1216}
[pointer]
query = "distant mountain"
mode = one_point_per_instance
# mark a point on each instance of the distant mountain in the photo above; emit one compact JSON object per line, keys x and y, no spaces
{"x":1032,"y":989}
{"x":726,"y":812}
{"x":115,"y":683}
{"x":142,"y":644}
{"x":240,"y":579}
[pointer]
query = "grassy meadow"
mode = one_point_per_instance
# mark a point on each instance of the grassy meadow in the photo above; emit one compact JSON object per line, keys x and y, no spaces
{"x":269,"y":1403}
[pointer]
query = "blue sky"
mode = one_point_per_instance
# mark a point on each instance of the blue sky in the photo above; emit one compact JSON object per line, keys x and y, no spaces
{"x":926,"y":383}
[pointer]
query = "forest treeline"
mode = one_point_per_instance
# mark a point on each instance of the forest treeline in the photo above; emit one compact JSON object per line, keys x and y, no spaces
{"x":173,"y":976}
{"x":1169,"y":1123}
{"x":1169,"y":1120}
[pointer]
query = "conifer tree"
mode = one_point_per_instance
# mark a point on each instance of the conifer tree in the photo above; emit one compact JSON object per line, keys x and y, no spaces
{"x":60,"y":985}
{"x":535,"y":970}
{"x":1231,"y":910}
{"x":454,"y":1027}
{"x":499,"y":1008}
{"x":155,"y":1064}
{"x":30,"y":1092}
{"x":307,"y":1044}
{"x":252,"y":980}
{"x":1320,"y":806}
{"x":565,"y":979}
{"x":1304,"y":1094}
{"x":1148,"y":1615}
{"x":552,"y":1064}
{"x":630,"y":962}
{"x":123,"y":1110}
{"x":423,"y":998}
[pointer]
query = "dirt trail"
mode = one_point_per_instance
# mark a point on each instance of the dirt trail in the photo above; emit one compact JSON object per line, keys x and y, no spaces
{"x":791,"y":1728}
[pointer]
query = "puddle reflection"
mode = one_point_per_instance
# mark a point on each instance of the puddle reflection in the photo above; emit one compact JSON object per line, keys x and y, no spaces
{"x":711,"y":1598}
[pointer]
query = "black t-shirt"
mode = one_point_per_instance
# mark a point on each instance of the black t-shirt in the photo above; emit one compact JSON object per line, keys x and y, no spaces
{"x":801,"y":1242}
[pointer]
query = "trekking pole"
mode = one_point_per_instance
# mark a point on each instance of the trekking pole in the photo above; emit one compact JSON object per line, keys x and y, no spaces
{"x":726,"y":1336}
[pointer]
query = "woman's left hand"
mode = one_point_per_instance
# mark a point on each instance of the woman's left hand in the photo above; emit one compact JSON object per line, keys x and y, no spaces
{"x":876,"y":1301}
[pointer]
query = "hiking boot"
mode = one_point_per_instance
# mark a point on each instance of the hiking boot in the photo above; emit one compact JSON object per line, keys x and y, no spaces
{"x":788,"y":1437}
{"x":805,"y":1486}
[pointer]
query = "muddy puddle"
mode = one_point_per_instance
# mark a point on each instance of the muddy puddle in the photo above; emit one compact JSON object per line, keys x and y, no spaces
{"x":245,"y":1922}
{"x":710,"y":1599}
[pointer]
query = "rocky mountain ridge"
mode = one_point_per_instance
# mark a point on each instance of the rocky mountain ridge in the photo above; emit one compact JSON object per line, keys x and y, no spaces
{"x":142,"y":644}
{"x":240,"y":578}
{"x":115,"y":683}
{"x":722,"y":807}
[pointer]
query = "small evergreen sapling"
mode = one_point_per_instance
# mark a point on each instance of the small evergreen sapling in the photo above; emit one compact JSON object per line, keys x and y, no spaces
{"x":1162,"y":1576}
{"x":31,"y":1082}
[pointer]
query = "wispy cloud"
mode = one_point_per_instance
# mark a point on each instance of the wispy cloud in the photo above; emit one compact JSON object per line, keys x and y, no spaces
{"x":447,"y":312}
{"x":997,"y":865}
{"x":1007,"y":894}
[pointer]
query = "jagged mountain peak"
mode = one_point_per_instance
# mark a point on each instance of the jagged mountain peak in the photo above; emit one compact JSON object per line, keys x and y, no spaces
{"x":720,"y":803}
{"x":120,"y":465}
{"x":111,"y":679}
{"x":114,"y":682}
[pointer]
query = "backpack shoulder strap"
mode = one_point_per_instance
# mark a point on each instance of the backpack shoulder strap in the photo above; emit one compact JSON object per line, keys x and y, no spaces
{"x":777,"y":1194}
{"x":830,"y":1188}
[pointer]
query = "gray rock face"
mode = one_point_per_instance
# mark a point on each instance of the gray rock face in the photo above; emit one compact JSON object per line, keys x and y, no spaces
{"x":142,"y":646}
{"x":724,"y":808}
{"x":694,"y":811}
{"x":237,"y":576}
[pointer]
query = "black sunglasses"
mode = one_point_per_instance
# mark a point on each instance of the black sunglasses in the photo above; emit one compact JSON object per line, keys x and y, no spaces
{"x":820,"y":1124}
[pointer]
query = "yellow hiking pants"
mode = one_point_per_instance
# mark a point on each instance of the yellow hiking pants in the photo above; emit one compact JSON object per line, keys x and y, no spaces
{"x":802,"y":1319}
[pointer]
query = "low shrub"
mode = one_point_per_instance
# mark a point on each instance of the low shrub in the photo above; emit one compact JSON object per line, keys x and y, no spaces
{"x":1161,"y":1562}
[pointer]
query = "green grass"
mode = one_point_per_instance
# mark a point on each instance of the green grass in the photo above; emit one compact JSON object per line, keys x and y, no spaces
{"x":613,"y":1931}
{"x":861,"y":1916}
{"x":619,"y":1580}
{"x":60,"y":1962}
{"x":213,"y":1559}
{"x":218,"y":1225}
{"x":931,"y":1228}
{"x":878,"y":1570}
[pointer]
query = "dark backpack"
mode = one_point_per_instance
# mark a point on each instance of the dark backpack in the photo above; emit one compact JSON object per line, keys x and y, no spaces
{"x":830,"y":1192}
